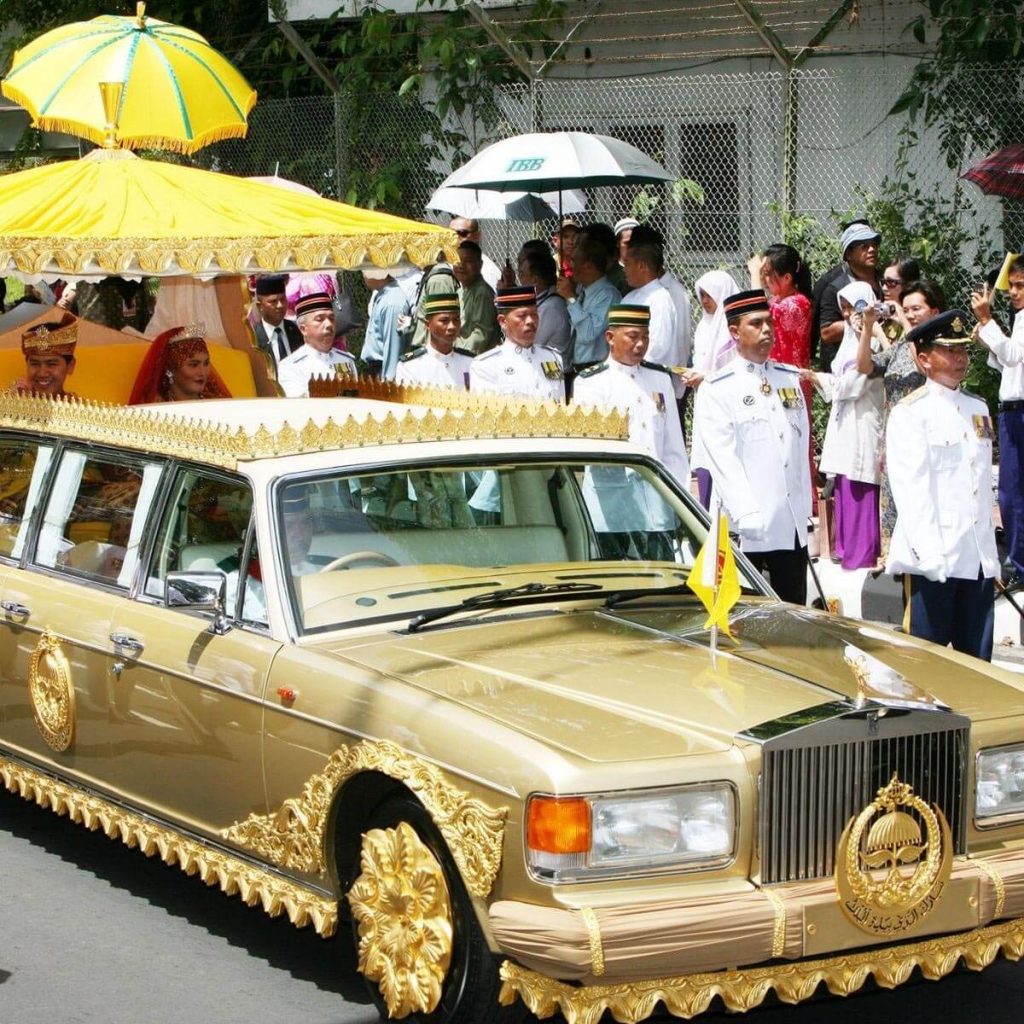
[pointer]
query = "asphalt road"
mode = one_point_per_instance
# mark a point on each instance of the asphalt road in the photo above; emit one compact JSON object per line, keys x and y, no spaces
{"x":94,"y":933}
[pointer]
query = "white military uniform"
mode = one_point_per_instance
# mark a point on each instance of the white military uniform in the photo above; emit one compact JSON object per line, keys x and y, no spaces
{"x":619,"y":499}
{"x":511,"y":369}
{"x":938,"y":454}
{"x":754,"y":425}
{"x":644,"y":392}
{"x":293,"y":373}
{"x":427,"y":367}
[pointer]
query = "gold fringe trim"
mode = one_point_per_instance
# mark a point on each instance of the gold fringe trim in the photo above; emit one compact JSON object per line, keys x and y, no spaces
{"x":294,"y":835}
{"x":689,"y":995}
{"x":274,"y":894}
{"x":779,"y":930}
{"x":997,"y":883}
{"x":143,"y":430}
{"x":594,"y":938}
{"x":244,"y":255}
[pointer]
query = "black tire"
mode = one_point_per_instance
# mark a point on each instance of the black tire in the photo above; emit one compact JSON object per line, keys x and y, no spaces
{"x":470,"y":993}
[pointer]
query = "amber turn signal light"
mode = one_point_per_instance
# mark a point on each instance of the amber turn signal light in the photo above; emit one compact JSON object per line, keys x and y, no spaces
{"x":558,"y":824}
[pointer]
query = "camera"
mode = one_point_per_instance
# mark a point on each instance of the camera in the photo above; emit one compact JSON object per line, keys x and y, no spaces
{"x":883,"y":310}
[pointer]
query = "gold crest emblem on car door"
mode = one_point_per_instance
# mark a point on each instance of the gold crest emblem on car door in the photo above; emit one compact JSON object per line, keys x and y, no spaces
{"x":52,"y":692}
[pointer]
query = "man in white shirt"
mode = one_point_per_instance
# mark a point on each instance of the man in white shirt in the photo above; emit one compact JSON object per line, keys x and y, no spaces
{"x":438,"y":364}
{"x":939,"y":458}
{"x":753,"y":425}
{"x":644,"y":263}
{"x":317,"y":356}
{"x":276,"y":336}
{"x":518,"y":366}
{"x":1007,"y":356}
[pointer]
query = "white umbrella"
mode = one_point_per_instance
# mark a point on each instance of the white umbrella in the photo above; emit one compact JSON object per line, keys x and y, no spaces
{"x":487,"y":204}
{"x":555,"y":161}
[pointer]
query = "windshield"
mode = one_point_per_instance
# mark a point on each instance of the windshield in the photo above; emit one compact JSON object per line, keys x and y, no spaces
{"x":392,"y":545}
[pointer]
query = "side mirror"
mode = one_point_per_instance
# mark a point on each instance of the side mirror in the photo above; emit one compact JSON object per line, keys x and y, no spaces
{"x":199,"y":591}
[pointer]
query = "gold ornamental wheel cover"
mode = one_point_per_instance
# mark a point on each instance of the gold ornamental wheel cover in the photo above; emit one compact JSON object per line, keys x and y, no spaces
{"x":52,"y":693}
{"x":402,"y":907}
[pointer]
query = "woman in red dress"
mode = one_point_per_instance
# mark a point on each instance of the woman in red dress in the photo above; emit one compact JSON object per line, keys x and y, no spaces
{"x":787,"y":280}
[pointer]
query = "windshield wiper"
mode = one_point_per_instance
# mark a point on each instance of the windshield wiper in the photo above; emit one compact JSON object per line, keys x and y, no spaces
{"x":620,"y":596}
{"x":528,"y":593}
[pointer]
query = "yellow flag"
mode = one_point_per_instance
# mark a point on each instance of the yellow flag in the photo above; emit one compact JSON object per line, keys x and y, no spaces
{"x":715,"y":566}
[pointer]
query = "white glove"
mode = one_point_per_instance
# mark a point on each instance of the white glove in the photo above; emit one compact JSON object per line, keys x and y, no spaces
{"x":933,"y":569}
{"x":751,"y":526}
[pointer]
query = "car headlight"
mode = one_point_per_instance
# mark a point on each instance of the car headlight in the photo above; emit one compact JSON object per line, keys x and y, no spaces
{"x":582,"y":837}
{"x":999,"y":786}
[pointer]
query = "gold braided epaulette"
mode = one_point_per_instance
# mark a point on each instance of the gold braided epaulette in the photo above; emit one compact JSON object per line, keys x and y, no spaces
{"x":437,"y":416}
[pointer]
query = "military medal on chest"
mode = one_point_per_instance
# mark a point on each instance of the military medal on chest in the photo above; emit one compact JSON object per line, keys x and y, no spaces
{"x":766,"y":388}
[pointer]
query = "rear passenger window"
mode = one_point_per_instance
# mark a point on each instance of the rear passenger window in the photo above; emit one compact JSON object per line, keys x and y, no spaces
{"x":23,"y":466}
{"x":205,"y":530}
{"x":96,"y":517}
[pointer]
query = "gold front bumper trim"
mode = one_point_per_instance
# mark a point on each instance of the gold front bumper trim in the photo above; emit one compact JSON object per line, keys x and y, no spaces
{"x":689,"y":995}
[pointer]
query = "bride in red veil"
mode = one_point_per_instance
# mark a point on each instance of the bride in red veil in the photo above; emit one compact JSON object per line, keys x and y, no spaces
{"x":177,"y":368}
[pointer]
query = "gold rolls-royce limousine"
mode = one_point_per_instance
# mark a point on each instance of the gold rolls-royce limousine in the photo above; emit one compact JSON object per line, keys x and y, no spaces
{"x":432,"y":672}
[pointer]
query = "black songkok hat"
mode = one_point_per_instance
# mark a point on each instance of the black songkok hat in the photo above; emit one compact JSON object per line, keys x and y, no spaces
{"x":271,"y":284}
{"x":513,"y":298}
{"x":745,"y":302}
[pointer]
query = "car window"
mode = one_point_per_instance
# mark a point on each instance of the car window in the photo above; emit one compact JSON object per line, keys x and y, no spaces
{"x":389,"y":544}
{"x":204,"y":529}
{"x":24,"y":469}
{"x":95,"y":520}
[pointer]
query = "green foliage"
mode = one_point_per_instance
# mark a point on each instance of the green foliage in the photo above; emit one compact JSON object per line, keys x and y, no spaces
{"x":970,"y":110}
{"x":817,"y":244}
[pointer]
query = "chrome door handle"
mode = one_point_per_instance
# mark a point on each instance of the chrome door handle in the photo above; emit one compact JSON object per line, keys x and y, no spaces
{"x":13,"y":608}
{"x":126,"y":642}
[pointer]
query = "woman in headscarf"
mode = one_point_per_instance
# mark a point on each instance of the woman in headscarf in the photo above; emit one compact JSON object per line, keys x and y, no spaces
{"x":177,"y":368}
{"x":713,"y":347}
{"x":852,"y":448}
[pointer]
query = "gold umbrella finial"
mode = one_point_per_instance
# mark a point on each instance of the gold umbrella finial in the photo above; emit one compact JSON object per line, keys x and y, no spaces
{"x":140,"y":15}
{"x":111,"y":94}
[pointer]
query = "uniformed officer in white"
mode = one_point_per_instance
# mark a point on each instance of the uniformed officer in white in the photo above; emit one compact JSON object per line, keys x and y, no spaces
{"x":517,"y":366}
{"x":618,"y":498}
{"x":753,"y":424}
{"x":938,"y":445}
{"x":438,"y":363}
{"x":317,"y":357}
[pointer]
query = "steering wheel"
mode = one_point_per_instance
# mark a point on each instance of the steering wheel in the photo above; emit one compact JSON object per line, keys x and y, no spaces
{"x":354,"y":557}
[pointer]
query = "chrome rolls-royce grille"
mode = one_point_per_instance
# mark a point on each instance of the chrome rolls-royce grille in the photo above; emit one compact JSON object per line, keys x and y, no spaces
{"x":816,"y":777}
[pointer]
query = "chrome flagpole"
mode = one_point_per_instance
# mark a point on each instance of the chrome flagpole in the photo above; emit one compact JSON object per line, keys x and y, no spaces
{"x":710,"y":576}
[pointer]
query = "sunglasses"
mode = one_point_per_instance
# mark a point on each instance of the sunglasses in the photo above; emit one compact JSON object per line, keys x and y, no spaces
{"x":891,"y":282}
{"x":464,"y":232}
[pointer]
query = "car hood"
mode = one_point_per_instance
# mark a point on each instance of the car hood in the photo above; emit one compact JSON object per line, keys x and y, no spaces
{"x":637,"y":683}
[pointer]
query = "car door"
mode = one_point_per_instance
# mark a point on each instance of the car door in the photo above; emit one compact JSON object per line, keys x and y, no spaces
{"x":77,"y":567}
{"x":186,"y":735}
{"x":24,"y":463}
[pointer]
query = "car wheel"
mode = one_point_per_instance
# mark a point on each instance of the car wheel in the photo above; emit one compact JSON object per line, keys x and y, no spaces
{"x":419,"y":946}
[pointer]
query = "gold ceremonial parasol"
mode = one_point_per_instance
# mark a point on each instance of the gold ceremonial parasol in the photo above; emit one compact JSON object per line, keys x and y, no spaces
{"x":114,"y":213}
{"x":176,"y":91}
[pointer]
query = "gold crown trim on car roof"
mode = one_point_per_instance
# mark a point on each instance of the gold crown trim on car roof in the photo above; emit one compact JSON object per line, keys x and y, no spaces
{"x":225,"y":255}
{"x":236,"y":877}
{"x":742,"y":990}
{"x":472,"y":417}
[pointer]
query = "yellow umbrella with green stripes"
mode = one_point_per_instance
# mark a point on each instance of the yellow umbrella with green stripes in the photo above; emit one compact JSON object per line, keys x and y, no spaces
{"x":177,"y":92}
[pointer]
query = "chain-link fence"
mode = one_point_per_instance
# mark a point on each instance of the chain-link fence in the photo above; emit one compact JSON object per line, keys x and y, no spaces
{"x":771,"y":155}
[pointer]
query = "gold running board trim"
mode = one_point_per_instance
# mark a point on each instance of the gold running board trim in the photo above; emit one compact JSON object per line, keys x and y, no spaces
{"x":689,"y":995}
{"x":235,"y":876}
